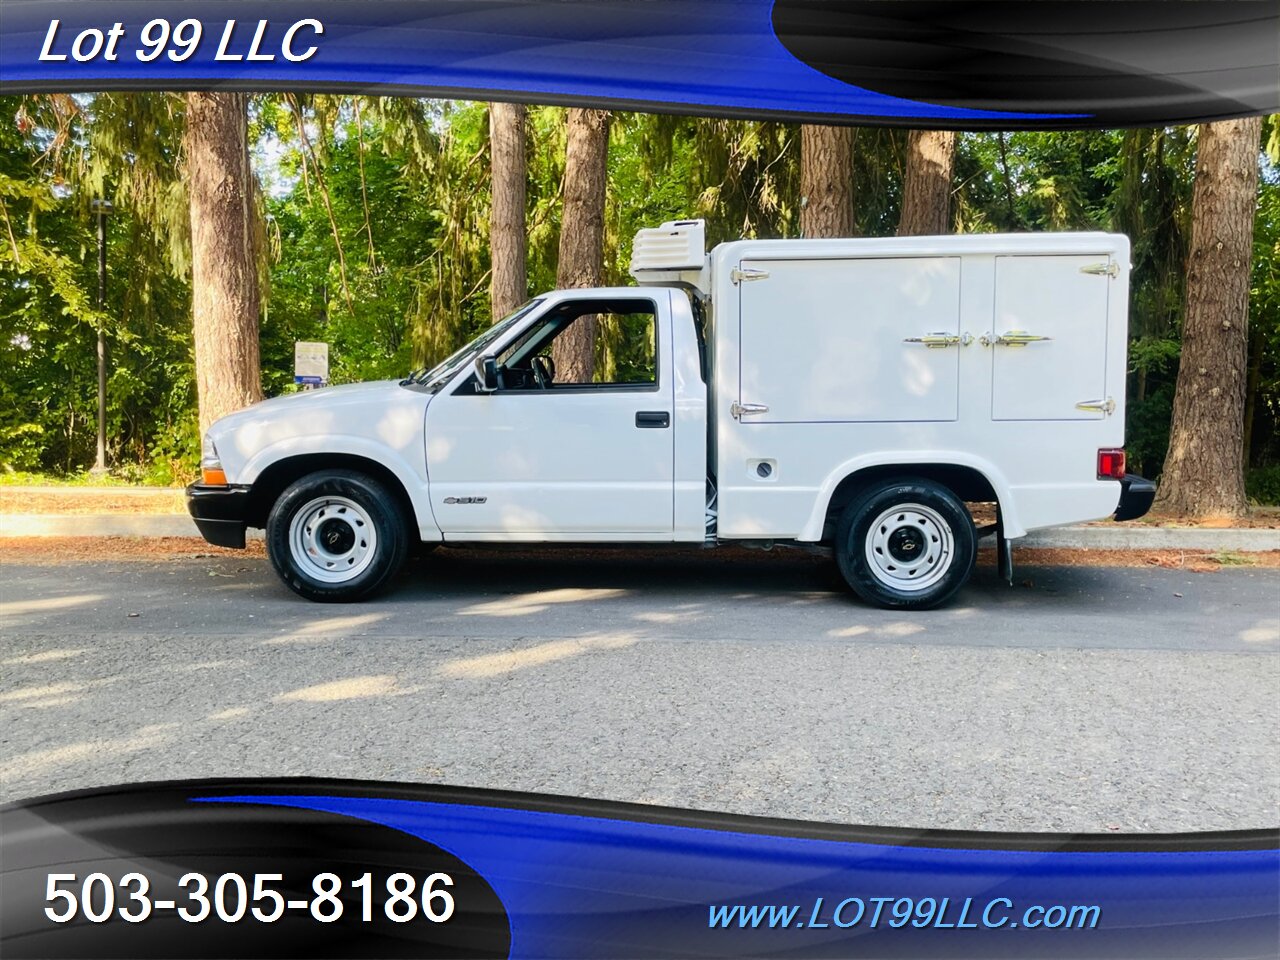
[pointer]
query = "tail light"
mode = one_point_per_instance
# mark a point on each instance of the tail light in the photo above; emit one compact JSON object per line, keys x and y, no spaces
{"x":1111,"y":464}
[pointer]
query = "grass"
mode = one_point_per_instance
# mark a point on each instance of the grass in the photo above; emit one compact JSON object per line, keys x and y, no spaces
{"x":83,"y":478}
{"x":1228,"y":558}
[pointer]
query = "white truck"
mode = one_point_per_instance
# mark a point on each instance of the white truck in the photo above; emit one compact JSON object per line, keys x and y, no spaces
{"x":850,"y":395}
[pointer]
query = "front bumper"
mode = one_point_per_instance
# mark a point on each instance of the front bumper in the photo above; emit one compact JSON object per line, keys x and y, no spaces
{"x":221,"y":513}
{"x":1136,"y":496}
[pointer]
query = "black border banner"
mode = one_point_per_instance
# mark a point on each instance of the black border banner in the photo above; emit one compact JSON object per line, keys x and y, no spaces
{"x":536,"y":875}
{"x":998,"y":64}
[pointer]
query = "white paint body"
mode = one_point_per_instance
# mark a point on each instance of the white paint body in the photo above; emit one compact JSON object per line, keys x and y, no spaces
{"x":824,"y":341}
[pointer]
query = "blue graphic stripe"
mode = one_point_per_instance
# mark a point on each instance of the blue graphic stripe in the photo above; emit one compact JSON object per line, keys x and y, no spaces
{"x":708,"y":54}
{"x":570,"y":880}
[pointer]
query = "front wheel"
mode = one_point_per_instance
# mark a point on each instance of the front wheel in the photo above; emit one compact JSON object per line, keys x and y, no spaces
{"x":337,"y":536}
{"x":906,"y":544}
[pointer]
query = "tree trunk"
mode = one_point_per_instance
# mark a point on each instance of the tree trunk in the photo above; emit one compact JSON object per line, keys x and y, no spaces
{"x":582,"y":235}
{"x":508,"y":284}
{"x":1257,"y":346}
{"x":926,"y":183}
{"x":1204,"y":471}
{"x":826,"y":181}
{"x":224,"y":272}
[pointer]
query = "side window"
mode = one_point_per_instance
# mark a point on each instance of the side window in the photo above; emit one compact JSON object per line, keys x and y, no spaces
{"x":585,"y":345}
{"x":624,"y":349}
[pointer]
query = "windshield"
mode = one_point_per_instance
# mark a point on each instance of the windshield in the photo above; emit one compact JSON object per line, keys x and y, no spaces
{"x":455,"y":361}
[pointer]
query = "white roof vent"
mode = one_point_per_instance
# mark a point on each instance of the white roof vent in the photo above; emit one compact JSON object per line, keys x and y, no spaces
{"x":675,"y":252}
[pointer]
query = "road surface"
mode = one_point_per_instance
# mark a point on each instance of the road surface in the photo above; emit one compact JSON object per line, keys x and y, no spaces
{"x":1079,"y":700}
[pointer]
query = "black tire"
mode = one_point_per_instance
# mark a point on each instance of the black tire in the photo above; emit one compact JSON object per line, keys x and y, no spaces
{"x":915,"y":520}
{"x":350,"y":512}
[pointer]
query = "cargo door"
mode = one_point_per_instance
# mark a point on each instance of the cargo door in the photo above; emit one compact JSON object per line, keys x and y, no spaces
{"x":849,"y":340}
{"x":1049,"y":339}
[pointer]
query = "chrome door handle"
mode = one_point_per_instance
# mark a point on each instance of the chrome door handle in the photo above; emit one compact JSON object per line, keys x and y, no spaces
{"x":941,"y":340}
{"x":738,"y":410}
{"x":1108,"y":269}
{"x":1014,"y":338}
{"x":1107,"y":406}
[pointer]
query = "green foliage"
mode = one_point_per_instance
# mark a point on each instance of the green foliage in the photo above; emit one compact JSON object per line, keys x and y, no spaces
{"x":82,"y":478}
{"x":1263,"y":485}
{"x":45,"y":311}
{"x":48,"y":288}
{"x":349,"y":238}
{"x":1262,"y":427}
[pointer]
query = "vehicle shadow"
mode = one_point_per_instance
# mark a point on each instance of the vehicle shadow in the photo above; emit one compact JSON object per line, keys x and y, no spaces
{"x":472,"y":570}
{"x":462,"y":570}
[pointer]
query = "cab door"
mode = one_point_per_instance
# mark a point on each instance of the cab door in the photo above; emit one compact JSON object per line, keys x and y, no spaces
{"x":546,"y":459}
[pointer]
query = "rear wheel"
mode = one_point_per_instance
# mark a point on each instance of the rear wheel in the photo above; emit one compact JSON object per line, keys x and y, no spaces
{"x":337,"y":536}
{"x":906,"y":544}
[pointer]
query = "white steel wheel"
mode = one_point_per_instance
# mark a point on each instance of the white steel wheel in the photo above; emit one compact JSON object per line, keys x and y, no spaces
{"x":332,"y":539}
{"x":906,"y":543}
{"x":338,"y":536}
{"x":909,"y":547}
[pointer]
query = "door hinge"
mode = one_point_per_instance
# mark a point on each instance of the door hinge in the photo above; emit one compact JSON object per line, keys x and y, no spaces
{"x":938,"y":340}
{"x":1108,"y":269}
{"x":1107,"y":406}
{"x":740,"y":275}
{"x":739,"y":410}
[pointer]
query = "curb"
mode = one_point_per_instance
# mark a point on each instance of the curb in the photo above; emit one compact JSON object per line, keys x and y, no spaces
{"x":101,"y":525}
{"x":1119,"y":537}
{"x":1078,"y":537}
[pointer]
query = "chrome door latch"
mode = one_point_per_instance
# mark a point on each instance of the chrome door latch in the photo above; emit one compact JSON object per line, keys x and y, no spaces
{"x":941,"y":340}
{"x":739,"y":275}
{"x":1107,"y":406}
{"x":739,"y":410}
{"x":1014,"y":338}
{"x":1108,"y":269}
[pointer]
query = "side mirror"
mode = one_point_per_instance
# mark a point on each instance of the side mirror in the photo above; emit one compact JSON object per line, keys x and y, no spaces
{"x":486,"y":374}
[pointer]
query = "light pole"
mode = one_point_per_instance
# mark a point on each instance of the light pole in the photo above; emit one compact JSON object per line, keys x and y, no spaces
{"x":102,"y":208}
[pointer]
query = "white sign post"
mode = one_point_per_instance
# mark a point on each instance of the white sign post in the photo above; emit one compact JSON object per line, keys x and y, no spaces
{"x":310,"y":364}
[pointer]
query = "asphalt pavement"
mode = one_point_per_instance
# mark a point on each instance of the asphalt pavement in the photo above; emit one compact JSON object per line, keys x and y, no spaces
{"x":1081,"y":699}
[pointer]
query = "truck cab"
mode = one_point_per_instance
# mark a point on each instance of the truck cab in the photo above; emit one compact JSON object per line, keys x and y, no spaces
{"x":852,"y":395}
{"x":529,"y":453}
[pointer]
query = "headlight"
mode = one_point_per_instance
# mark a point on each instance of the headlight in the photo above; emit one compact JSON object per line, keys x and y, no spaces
{"x":211,"y":472}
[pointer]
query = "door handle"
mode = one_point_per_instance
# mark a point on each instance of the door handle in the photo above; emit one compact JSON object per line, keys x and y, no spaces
{"x":1107,"y":406}
{"x":653,"y":419}
{"x":939,"y":340}
{"x":1014,"y":338}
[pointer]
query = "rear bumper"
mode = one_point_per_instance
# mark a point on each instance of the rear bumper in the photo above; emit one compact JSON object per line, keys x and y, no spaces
{"x":221,"y":513}
{"x":1136,"y":496}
